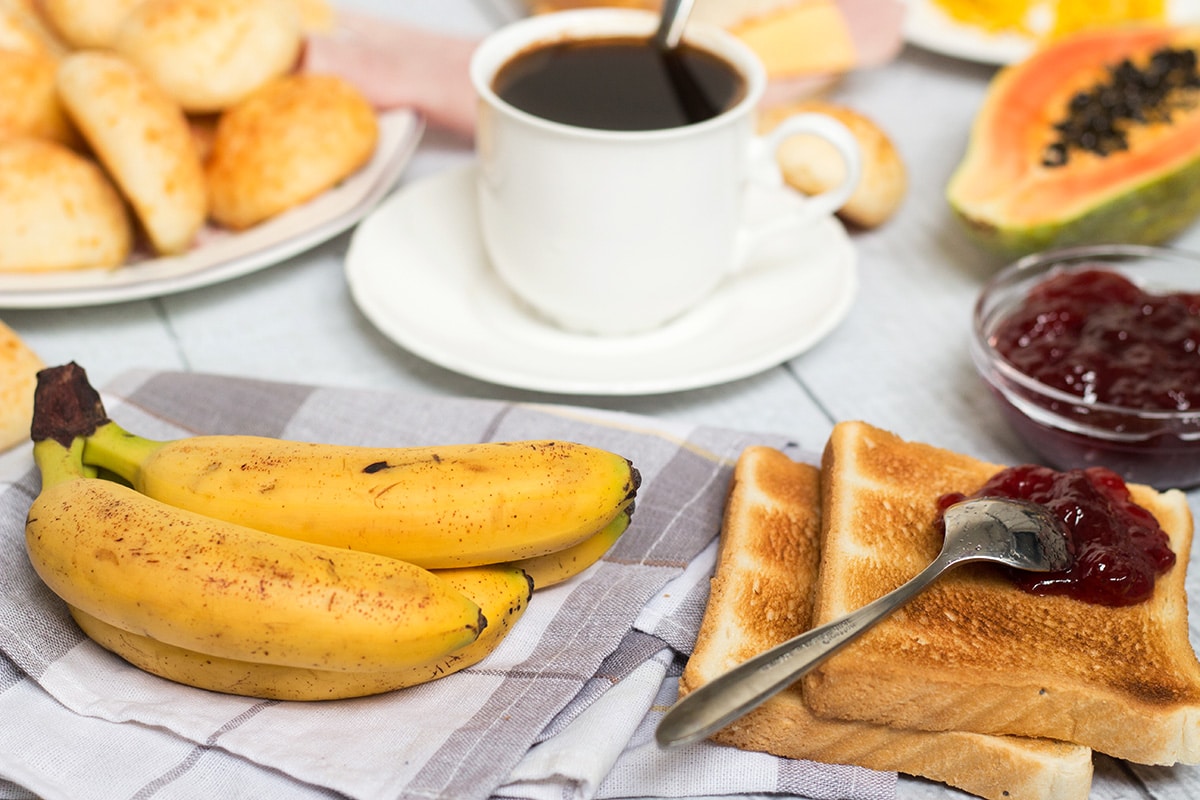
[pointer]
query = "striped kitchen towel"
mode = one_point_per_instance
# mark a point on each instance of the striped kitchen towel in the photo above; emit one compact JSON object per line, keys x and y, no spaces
{"x":559,"y":710}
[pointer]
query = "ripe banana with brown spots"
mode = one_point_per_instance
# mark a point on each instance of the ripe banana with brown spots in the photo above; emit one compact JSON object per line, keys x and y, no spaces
{"x":502,"y":592}
{"x":215,"y":587}
{"x":438,"y":507}
{"x":561,"y":565}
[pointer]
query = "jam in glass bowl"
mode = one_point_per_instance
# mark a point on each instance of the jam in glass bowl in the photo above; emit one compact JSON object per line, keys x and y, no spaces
{"x":1094,"y":356}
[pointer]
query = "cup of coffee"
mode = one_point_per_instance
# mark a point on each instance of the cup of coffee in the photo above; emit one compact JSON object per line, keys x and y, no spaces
{"x":618,"y":185}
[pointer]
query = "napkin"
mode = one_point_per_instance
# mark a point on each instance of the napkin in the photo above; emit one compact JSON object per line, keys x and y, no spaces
{"x":564,"y":708}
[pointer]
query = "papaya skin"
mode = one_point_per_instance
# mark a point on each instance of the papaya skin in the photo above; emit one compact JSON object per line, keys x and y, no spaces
{"x":1151,"y":213}
{"x":1011,"y":204}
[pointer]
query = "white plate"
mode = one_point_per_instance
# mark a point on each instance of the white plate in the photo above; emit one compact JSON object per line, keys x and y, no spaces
{"x":417,"y":269}
{"x":930,"y":28}
{"x":222,"y":255}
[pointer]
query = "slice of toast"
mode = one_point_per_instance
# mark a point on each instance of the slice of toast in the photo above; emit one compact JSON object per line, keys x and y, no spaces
{"x":974,"y":653}
{"x":762,"y":595}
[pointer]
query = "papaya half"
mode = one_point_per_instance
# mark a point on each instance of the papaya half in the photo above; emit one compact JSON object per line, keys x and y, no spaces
{"x":1092,"y":139}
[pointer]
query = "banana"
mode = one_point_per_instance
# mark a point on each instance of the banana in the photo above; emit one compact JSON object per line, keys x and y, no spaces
{"x":228,"y":590}
{"x":437,"y":507}
{"x":560,"y":565}
{"x":502,"y":593}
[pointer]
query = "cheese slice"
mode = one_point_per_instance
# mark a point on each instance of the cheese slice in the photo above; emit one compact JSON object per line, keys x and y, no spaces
{"x":800,"y":39}
{"x":792,"y":37}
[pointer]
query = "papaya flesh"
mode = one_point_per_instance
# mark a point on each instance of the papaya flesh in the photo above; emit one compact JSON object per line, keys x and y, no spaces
{"x":1090,"y":140}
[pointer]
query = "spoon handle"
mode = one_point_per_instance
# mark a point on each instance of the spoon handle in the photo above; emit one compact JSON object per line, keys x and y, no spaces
{"x":670,"y":29}
{"x":734,"y":694}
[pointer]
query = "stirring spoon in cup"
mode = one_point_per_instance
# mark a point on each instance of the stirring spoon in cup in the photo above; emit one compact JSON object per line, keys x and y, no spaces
{"x":1016,"y":533}
{"x":670,"y":27}
{"x":695,"y":104}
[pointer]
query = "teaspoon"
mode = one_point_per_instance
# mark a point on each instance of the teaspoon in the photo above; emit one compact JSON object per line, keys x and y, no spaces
{"x":1012,"y":532}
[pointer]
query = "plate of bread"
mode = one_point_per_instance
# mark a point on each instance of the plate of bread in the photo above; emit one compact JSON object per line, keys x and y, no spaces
{"x":148,"y":148}
{"x":976,"y":683}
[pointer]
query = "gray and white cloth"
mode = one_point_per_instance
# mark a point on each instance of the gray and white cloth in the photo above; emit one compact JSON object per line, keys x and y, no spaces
{"x":564,"y":708}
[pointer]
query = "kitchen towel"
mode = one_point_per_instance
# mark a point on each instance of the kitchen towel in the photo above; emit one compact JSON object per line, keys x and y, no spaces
{"x":563,"y":708}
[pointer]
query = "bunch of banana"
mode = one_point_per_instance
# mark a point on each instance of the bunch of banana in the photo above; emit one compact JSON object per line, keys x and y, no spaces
{"x":278,"y":569}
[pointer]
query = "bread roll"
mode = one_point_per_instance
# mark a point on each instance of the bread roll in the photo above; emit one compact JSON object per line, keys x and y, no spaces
{"x":58,"y":210}
{"x":209,"y":54}
{"x":87,"y":24}
{"x":316,"y":16}
{"x":21,"y":29}
{"x":19,"y":367}
{"x":285,"y":144}
{"x":812,"y":165}
{"x":29,"y":104}
{"x":143,"y":139}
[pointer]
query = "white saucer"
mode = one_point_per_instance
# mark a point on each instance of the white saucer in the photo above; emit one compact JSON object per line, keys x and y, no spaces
{"x":417,"y":269}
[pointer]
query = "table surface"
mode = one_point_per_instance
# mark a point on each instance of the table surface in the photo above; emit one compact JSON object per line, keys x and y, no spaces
{"x":899,"y":359}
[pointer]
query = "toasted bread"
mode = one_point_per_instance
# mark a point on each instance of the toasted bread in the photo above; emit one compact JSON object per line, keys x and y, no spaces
{"x":762,"y":595}
{"x":973,"y":652}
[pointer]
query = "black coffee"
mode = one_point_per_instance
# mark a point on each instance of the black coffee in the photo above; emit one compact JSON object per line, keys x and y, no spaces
{"x":623,"y":84}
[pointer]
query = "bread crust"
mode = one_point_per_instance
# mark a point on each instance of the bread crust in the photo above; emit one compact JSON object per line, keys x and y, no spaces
{"x":761,"y":596}
{"x":29,"y":104}
{"x":811,"y":164}
{"x":19,"y":366}
{"x":22,"y":30}
{"x":87,"y":24}
{"x":209,"y":54}
{"x":285,"y":144}
{"x":973,"y":652}
{"x":58,"y":210}
{"x":142,"y":138}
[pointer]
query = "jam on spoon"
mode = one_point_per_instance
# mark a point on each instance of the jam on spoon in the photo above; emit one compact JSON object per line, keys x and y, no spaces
{"x":1119,"y":548}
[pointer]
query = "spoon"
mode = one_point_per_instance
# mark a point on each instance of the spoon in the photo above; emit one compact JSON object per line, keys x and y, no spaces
{"x":693,"y":102}
{"x":670,"y":27}
{"x":1012,"y":532}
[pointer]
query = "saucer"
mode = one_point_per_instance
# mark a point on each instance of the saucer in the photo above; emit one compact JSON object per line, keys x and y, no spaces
{"x":417,"y":269}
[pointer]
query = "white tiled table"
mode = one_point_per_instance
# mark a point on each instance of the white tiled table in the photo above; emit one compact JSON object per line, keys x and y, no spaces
{"x":899,"y":360}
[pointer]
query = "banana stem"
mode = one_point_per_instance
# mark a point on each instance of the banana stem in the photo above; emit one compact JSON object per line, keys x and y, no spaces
{"x":115,"y":449}
{"x":60,"y":463}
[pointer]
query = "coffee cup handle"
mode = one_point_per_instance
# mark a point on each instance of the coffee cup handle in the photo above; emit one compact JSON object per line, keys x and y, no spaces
{"x":774,"y":209}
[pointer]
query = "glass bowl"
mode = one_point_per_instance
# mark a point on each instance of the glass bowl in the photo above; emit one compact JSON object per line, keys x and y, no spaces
{"x":1159,"y":448}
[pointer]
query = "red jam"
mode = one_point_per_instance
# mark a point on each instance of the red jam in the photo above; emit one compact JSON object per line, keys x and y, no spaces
{"x":1118,"y":546}
{"x":1096,"y":335}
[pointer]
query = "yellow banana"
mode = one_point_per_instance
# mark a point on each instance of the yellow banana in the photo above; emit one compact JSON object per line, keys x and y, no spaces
{"x":560,"y":565}
{"x":438,"y":507}
{"x":228,"y":590}
{"x":502,"y":593}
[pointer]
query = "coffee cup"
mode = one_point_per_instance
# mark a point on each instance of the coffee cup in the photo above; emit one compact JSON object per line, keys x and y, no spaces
{"x":601,"y":214}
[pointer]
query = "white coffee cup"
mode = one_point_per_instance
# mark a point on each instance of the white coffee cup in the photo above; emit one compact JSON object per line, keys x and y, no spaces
{"x":618,"y":232}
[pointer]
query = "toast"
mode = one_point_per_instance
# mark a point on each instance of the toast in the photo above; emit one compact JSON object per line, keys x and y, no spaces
{"x":762,"y":595}
{"x":974,"y":653}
